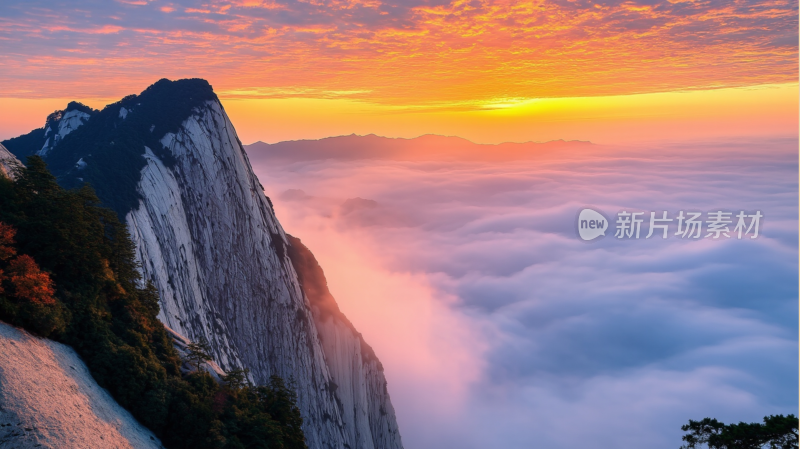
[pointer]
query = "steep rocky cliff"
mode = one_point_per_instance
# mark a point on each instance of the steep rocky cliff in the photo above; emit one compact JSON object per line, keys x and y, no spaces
{"x":209,"y":240}
{"x":170,"y":163}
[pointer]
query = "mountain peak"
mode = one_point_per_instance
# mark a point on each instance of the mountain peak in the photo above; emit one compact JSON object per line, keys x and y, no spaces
{"x":78,"y":106}
{"x":198,"y":85}
{"x":106,"y":148}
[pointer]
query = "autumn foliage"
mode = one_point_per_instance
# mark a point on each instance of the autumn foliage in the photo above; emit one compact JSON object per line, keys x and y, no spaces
{"x":22,"y":278}
{"x":7,"y":234}
{"x":29,"y":282}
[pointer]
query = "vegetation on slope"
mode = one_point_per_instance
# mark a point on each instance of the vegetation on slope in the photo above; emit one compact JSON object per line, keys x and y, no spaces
{"x":777,"y":432}
{"x":68,"y":273}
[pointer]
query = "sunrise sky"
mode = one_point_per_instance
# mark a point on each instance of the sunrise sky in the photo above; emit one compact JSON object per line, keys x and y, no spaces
{"x":496,"y":326}
{"x":497,"y":71}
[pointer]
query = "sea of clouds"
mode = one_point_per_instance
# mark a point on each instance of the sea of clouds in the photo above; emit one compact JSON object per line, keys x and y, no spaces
{"x":499,"y":327}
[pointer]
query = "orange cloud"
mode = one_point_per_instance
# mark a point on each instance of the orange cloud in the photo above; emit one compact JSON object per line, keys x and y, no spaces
{"x":452,"y":55}
{"x":106,"y":29}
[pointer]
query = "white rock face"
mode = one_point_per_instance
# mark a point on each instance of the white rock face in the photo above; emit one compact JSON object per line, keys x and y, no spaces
{"x":208,"y":238}
{"x":69,"y":121}
{"x":48,"y":399}
{"x":45,"y":148}
{"x":8,"y":163}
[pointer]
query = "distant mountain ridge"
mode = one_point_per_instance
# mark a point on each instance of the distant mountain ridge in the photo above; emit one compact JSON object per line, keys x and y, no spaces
{"x":426,"y":147}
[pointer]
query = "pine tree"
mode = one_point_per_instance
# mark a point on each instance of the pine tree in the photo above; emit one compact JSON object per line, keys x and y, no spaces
{"x":199,"y":352}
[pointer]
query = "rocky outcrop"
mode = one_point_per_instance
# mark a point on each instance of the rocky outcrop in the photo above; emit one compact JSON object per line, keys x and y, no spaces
{"x":8,"y":163}
{"x":182,"y":345}
{"x":58,"y":125}
{"x":208,"y":238}
{"x":48,"y":399}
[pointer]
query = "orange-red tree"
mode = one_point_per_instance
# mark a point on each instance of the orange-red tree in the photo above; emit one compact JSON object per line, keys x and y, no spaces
{"x":29,"y":282}
{"x":6,"y":250}
{"x":29,"y":292}
{"x":7,"y":234}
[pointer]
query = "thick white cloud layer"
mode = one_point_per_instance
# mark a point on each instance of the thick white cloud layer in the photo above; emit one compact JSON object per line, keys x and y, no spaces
{"x":498,"y":327}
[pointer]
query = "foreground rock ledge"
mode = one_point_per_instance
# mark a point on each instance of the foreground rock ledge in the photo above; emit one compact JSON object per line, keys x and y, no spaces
{"x":48,"y":399}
